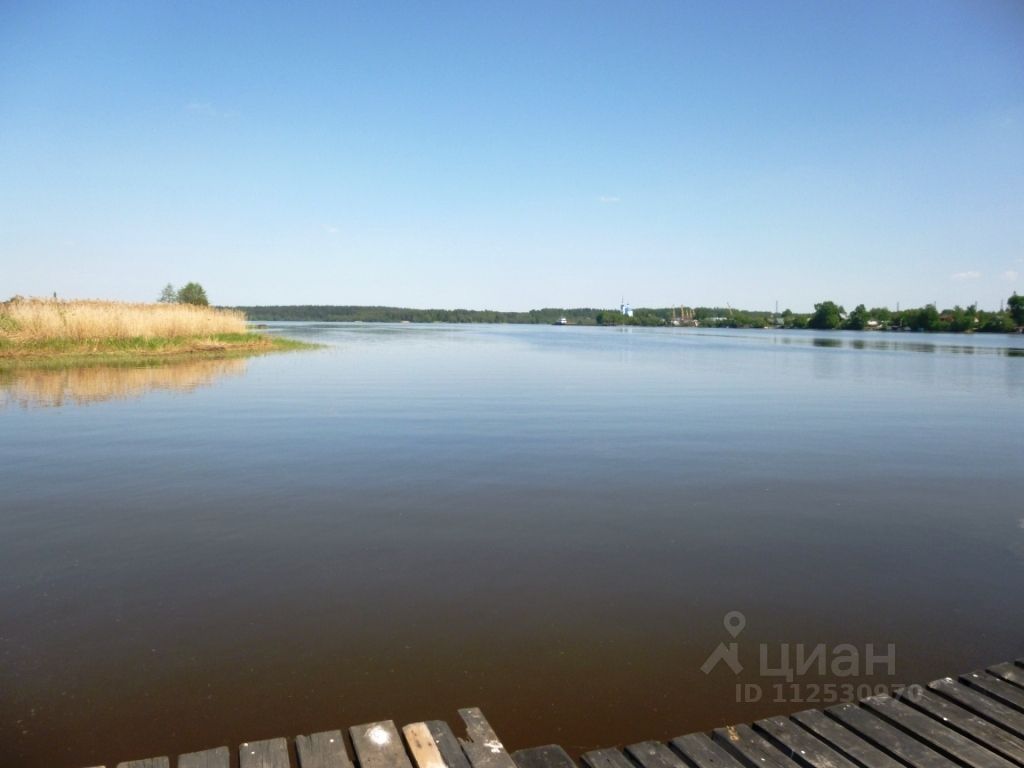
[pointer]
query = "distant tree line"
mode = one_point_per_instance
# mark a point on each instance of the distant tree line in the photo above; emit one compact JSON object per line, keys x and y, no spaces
{"x":830,"y":316}
{"x":326,"y":313}
{"x":827,"y":315}
{"x":549,"y":315}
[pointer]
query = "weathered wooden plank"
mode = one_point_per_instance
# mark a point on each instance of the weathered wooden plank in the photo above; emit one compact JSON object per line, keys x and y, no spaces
{"x":548,"y":756}
{"x":1010,"y":672}
{"x":968,"y":723}
{"x":934,"y":733}
{"x":654,"y":754}
{"x":484,"y":749}
{"x":447,"y":744}
{"x":801,"y":746}
{"x":210,"y":758}
{"x":843,"y":740}
{"x":742,"y":740}
{"x":322,"y":750}
{"x":1008,"y":693}
{"x":271,"y":753}
{"x":890,"y":739}
{"x":701,"y":751}
{"x":606,"y":758}
{"x":149,"y":762}
{"x":980,"y":704}
{"x":422,"y":746}
{"x":378,"y":745}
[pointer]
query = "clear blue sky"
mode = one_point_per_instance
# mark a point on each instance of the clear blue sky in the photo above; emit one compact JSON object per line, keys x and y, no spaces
{"x":514,"y":155}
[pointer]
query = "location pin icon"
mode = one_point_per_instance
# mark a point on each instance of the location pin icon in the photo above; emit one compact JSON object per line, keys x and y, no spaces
{"x":734,"y":623}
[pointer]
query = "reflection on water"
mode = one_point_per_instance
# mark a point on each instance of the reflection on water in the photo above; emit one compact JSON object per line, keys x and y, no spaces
{"x":902,"y":345}
{"x":33,"y":387}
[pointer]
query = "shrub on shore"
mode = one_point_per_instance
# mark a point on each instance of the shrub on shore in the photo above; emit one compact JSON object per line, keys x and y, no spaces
{"x":31,"y":320}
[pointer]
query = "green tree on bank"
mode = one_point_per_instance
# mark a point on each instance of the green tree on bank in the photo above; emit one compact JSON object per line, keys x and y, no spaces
{"x":1015,"y":306}
{"x":858,"y":319}
{"x":827,"y":316}
{"x":191,"y":293}
{"x":924,"y":319}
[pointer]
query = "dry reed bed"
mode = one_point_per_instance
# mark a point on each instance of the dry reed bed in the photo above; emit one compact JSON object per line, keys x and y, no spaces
{"x":81,"y":320}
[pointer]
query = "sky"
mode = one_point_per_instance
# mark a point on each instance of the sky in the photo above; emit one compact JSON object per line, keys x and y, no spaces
{"x":515,"y":155}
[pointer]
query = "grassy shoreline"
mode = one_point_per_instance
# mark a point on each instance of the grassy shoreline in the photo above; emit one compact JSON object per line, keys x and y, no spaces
{"x":44,"y":329}
{"x":140,"y":347}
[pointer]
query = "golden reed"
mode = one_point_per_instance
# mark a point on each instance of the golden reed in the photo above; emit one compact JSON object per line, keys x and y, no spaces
{"x":79,"y":320}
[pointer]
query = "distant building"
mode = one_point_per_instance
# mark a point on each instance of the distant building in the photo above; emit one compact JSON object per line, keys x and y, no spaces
{"x":686,"y":317}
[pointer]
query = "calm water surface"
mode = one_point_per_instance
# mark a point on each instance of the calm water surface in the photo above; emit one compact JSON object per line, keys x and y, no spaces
{"x":548,"y":523}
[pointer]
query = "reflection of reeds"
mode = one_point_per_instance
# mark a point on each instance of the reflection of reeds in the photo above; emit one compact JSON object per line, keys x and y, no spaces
{"x":52,"y":387}
{"x":49,"y":319}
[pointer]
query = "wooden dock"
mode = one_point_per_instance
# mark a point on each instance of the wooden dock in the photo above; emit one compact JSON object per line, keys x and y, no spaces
{"x":976,"y":721}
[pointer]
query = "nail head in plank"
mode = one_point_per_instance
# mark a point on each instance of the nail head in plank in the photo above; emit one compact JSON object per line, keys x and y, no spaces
{"x":322,"y":750}
{"x":210,"y":758}
{"x":891,"y":739}
{"x":378,"y":745}
{"x":796,"y":743}
{"x":1010,"y":672}
{"x":701,"y":751}
{"x":271,"y":753}
{"x":606,"y":758}
{"x":1008,"y":693}
{"x":977,"y":702}
{"x":936,"y":734}
{"x":753,"y":747}
{"x":447,"y":744}
{"x":844,"y":740}
{"x":968,"y":723}
{"x":484,"y":749}
{"x":422,"y":746}
{"x":654,"y":754}
{"x":548,"y":756}
{"x":149,"y":762}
